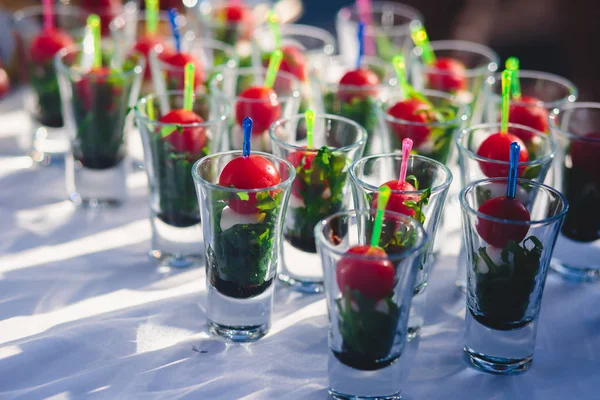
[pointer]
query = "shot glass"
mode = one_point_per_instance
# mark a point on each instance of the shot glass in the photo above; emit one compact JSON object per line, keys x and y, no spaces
{"x":541,"y":149}
{"x":213,"y":57}
{"x":431,"y":139}
{"x":432,"y":180}
{"x":96,"y":104}
{"x":506,"y":278}
{"x":307,"y":50}
{"x":548,"y":90}
{"x":319,"y":190}
{"x":171,"y":150}
{"x":480,"y":63}
{"x":241,"y":249}
{"x":47,"y":140}
{"x":387,"y":30}
{"x":358,"y":103}
{"x":263,"y":112}
{"x":576,"y":130}
{"x":368,"y":311}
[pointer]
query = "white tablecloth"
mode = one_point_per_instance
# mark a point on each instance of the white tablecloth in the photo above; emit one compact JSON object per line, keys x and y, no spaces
{"x":84,"y":313}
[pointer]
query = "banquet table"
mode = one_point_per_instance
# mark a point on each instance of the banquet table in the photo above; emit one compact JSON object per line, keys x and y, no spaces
{"x":85,"y":313}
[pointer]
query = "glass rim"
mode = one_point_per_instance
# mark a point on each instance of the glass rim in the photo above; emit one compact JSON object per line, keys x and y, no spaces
{"x":526,"y":74}
{"x":471,"y":154}
{"x":299,"y":117}
{"x":434,"y":190}
{"x":295,"y":94}
{"x":270,"y":157}
{"x":58,"y":9}
{"x":310,"y":31}
{"x":210,"y":21}
{"x":204,"y":44}
{"x":403,"y":10}
{"x":573,"y":106}
{"x":422,"y":236}
{"x":144,"y":116}
{"x":460,"y":117}
{"x":383,"y":84}
{"x":140,"y":15}
{"x":61,"y":66}
{"x":466,"y":47}
{"x":466,"y":206}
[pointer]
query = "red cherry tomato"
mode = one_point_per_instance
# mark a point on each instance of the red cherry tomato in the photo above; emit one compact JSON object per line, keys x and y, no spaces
{"x":293,"y":62}
{"x":189,"y":140}
{"x":359,"y":84}
{"x":147,"y":43}
{"x":44,"y":46}
{"x":4,"y":83}
{"x":179,"y":60}
{"x":252,"y":172}
{"x":530,"y":114}
{"x":237,"y":14}
{"x":498,"y":234}
{"x":374,"y":279}
{"x":259,"y":103}
{"x":304,"y":159}
{"x":497,"y":147}
{"x":411,"y":110}
{"x":585,"y":154}
{"x":396,"y":201}
{"x":449,"y":75}
{"x":90,"y":84}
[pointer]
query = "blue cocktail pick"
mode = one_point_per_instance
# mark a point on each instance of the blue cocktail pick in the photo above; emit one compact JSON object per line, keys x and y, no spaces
{"x":175,"y":29}
{"x":361,"y":44}
{"x":511,"y":188}
{"x":247,"y":129}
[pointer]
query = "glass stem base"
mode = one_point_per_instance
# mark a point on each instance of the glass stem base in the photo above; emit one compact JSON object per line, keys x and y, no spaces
{"x":96,"y":187}
{"x":238,"y":334}
{"x":497,"y":366}
{"x":575,"y":274}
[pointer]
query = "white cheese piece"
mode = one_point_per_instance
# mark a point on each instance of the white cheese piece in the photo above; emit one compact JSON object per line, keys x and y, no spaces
{"x":495,"y":254}
{"x":230,"y":218}
{"x":382,"y":306}
{"x":260,"y":142}
{"x":464,"y":97}
{"x":326,"y":194}
{"x":296,"y":202}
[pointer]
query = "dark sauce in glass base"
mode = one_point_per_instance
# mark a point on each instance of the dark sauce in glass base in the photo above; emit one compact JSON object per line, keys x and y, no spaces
{"x":99,"y":161}
{"x":362,"y":363}
{"x":178,"y":220}
{"x":50,"y":120}
{"x":232,"y":289}
{"x":582,"y":191}
{"x":306,"y":244}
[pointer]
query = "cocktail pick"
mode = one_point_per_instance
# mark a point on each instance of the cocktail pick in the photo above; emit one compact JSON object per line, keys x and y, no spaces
{"x":247,"y":129}
{"x":400,"y":68}
{"x":506,"y":83}
{"x":274,"y":63}
{"x":361,"y":44}
{"x":275,"y":30}
{"x":175,"y":29}
{"x":150,"y":108}
{"x":309,"y":116}
{"x":512,"y":64}
{"x":406,"y":148}
{"x":48,"y":14}
{"x":93,"y":26}
{"x":151,"y":17}
{"x":419,"y":36}
{"x":365,"y":13}
{"x":382,"y":199}
{"x":513,"y":163}
{"x":188,"y":87}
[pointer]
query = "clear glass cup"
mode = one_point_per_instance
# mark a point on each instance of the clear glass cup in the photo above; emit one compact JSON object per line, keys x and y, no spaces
{"x":95,"y":109}
{"x":506,"y":279}
{"x":241,"y":249}
{"x":170,"y":155}
{"x":48,"y":141}
{"x":358,"y":103}
{"x":551,"y":90}
{"x":433,"y":181}
{"x":480,"y":63}
{"x":431,"y":139}
{"x":315,"y":46}
{"x":387,"y":35}
{"x":287,"y":89}
{"x":214,"y":56}
{"x":369,"y":312}
{"x":319,"y":190}
{"x":576,"y":130}
{"x":542,"y":150}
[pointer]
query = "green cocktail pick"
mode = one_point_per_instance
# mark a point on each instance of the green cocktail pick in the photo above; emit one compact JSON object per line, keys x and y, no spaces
{"x":188,"y":87}
{"x":93,"y":26}
{"x":506,"y":83}
{"x":309,"y":116}
{"x":512,"y":64}
{"x":151,"y":17}
{"x":382,"y":200}
{"x":274,"y":63}
{"x":419,"y":36}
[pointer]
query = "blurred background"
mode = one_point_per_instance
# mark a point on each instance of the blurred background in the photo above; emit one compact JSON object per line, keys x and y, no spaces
{"x":558,"y":36}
